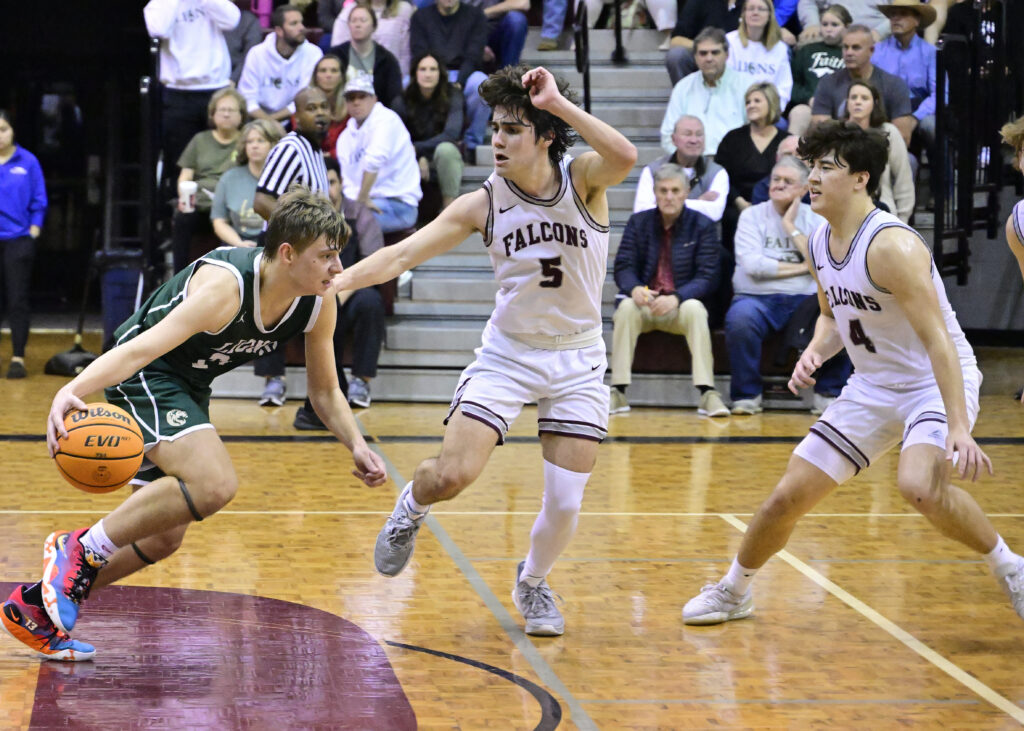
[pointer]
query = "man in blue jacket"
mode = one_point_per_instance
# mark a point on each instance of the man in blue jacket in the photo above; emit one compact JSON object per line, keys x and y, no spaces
{"x":667,"y":262}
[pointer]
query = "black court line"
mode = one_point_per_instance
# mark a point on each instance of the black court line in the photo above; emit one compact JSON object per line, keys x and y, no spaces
{"x":551,"y":710}
{"x":397,"y":438}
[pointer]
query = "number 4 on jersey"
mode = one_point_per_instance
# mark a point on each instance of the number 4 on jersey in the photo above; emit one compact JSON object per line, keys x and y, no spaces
{"x":859,"y":337}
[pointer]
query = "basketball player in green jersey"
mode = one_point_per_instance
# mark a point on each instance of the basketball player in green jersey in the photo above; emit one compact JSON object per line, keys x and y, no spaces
{"x":227,"y":308}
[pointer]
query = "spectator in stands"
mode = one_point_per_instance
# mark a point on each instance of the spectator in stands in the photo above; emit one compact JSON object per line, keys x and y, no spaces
{"x":714,"y":93}
{"x":756,"y":48}
{"x":695,"y":16}
{"x":207,"y":156}
{"x":830,"y":96}
{"x":391,"y":31}
{"x":772,"y":286}
{"x":667,"y":263}
{"x":235,"y":220}
{"x":864,"y":107}
{"x":432,"y":112}
{"x":360,"y":312}
{"x":763,"y":187}
{"x":247,"y":34}
{"x":748,"y":153}
{"x":277,"y":69}
{"x":506,"y":28}
{"x":863,"y":12}
{"x":378,"y":160}
{"x":194,"y":62}
{"x":363,"y":55}
{"x":295,"y":159}
{"x":22,"y":210}
{"x":707,"y":180}
{"x":906,"y":55}
{"x":457,"y":32}
{"x":814,"y":61}
{"x":327,"y":77}
{"x":327,"y":12}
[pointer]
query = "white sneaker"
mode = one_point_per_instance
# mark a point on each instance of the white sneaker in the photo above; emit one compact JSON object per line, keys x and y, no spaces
{"x":821,"y":402}
{"x":1013,"y":584}
{"x":711,"y":404}
{"x":716,"y":604}
{"x":618,"y":403}
{"x":747,"y":406}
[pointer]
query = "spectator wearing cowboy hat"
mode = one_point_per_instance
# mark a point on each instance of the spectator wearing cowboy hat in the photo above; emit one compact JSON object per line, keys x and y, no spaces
{"x":907,"y":55}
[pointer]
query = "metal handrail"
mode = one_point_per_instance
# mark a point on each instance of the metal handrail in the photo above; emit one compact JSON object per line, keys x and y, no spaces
{"x":581,"y":36}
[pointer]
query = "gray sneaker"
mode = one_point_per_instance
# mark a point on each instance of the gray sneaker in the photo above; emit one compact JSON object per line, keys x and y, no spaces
{"x":716,"y":604}
{"x":359,"y":393}
{"x":396,"y":539}
{"x":537,"y":605}
{"x":273,"y":392}
{"x":1013,"y":584}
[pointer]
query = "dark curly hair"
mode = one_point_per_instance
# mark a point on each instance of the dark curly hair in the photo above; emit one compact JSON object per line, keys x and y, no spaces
{"x":504,"y":88}
{"x":862,"y":150}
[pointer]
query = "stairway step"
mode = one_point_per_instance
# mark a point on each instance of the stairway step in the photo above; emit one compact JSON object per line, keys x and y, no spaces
{"x":645,"y":151}
{"x":449,"y":310}
{"x":469,"y":287}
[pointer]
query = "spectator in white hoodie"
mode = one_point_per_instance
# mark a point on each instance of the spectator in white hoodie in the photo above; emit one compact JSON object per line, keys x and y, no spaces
{"x":279,"y":68}
{"x":377,"y":158}
{"x":194,"y":63}
{"x":756,"y":48}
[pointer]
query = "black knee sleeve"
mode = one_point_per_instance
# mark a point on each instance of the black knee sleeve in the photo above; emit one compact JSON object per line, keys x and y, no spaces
{"x":143,"y":557}
{"x":188,"y":501}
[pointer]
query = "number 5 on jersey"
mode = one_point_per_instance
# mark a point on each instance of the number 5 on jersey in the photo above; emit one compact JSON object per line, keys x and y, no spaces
{"x":549,"y":269}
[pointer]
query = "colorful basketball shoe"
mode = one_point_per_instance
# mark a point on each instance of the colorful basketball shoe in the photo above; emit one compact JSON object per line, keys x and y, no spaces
{"x":67,"y":577}
{"x":31,"y":626}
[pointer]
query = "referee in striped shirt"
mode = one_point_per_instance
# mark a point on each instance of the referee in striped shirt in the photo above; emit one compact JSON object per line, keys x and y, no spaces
{"x":295,"y":159}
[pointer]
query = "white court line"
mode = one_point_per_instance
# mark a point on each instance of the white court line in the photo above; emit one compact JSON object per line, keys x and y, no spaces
{"x":954,"y":671}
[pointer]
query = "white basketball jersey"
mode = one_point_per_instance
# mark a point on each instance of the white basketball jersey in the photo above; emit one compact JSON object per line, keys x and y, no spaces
{"x":550,"y":258}
{"x":1018,"y":220}
{"x":883,"y":346}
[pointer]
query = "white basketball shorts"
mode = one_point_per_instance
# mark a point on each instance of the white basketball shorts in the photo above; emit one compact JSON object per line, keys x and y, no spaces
{"x":567,"y":385}
{"x":867,"y":420}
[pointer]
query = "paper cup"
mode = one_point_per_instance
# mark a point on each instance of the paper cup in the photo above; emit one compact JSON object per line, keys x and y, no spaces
{"x":187,"y":195}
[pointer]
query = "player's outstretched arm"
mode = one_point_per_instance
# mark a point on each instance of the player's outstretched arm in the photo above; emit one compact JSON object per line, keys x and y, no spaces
{"x":212,"y":301}
{"x":900,"y":263}
{"x":824,"y":344}
{"x":613,"y":157}
{"x":330,"y":403}
{"x":466,"y":214}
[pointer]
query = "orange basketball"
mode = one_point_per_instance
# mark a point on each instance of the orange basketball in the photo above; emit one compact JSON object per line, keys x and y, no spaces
{"x":103,"y":450}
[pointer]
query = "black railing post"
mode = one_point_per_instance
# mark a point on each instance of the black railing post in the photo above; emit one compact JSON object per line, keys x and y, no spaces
{"x":581,"y":35}
{"x":619,"y":54}
{"x":147,"y":181}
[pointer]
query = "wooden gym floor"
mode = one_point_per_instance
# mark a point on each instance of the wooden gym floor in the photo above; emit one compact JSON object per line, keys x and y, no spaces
{"x":271,"y":615}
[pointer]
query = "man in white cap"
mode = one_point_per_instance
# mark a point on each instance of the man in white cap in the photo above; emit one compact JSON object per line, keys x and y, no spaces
{"x":378,"y":160}
{"x":907,"y":55}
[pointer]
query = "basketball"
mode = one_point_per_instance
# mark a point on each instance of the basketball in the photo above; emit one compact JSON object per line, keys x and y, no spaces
{"x":103,"y":449}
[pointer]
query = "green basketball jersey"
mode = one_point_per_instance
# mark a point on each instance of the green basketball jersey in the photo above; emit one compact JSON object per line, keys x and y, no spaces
{"x":206,"y":355}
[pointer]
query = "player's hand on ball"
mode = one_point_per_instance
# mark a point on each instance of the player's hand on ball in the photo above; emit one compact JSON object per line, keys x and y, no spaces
{"x":63,"y":402}
{"x":966,"y":455}
{"x":803,"y":373}
{"x":370,"y":467}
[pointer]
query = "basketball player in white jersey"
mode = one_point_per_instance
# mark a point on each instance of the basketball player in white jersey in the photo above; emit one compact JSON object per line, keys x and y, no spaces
{"x":544,"y":220}
{"x":915,"y":377}
{"x":1013,"y":135}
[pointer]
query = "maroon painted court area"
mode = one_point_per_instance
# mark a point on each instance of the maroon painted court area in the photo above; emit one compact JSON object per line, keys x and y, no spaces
{"x":176,"y":658}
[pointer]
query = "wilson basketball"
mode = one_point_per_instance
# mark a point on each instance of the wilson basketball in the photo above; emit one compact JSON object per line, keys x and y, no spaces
{"x":103,"y":449}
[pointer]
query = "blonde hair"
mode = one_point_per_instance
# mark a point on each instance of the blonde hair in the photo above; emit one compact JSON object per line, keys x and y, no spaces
{"x":271,"y":130}
{"x":1013,"y":135}
{"x":299,"y":218}
{"x":339,"y":110}
{"x":771,"y":95}
{"x":217,"y":96}
{"x":772,"y":32}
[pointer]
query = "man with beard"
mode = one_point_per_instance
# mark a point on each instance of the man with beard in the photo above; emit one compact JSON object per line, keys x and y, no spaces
{"x":278,"y":68}
{"x":295,"y":159}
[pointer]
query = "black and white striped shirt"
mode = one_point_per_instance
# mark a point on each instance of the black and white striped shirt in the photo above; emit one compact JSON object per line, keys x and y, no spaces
{"x":293,"y":160}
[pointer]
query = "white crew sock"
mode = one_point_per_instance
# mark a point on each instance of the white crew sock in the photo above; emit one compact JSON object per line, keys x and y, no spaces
{"x":739,"y":578}
{"x":556,"y":523}
{"x":415,"y":510}
{"x":97,"y":541}
{"x":1001,"y":560}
